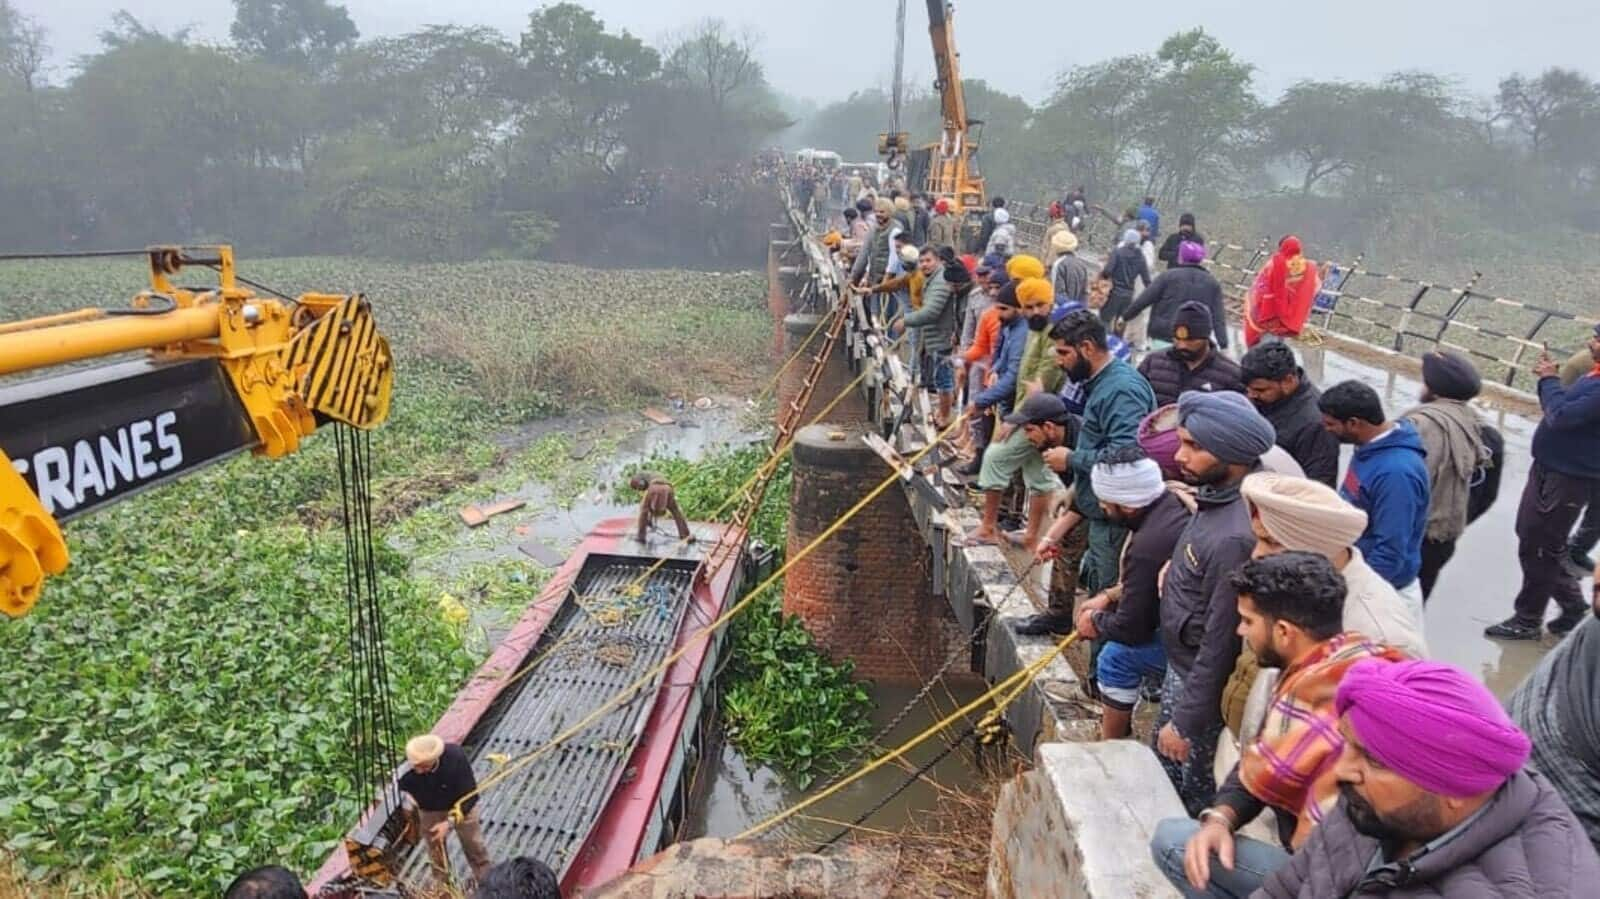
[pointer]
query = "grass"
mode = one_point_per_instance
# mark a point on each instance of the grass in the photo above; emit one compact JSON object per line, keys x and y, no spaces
{"x":176,"y":708}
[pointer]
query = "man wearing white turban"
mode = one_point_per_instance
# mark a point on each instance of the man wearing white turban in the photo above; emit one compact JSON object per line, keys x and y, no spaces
{"x":1290,"y":513}
{"x":1127,"y":617}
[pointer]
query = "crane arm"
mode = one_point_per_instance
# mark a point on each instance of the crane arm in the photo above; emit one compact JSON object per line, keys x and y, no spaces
{"x":225,"y":371}
{"x":947,"y":69}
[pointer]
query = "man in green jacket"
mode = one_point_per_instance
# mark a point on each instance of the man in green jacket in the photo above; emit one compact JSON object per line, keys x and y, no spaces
{"x":935,"y":324}
{"x":1116,"y":399}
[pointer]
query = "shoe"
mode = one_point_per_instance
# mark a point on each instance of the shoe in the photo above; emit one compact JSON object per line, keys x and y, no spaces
{"x":1580,"y":560}
{"x":1562,"y":624}
{"x":1513,"y":628}
{"x":1039,"y":625}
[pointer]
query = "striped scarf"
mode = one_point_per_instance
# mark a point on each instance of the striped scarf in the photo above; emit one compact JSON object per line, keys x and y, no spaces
{"x":1290,"y":764}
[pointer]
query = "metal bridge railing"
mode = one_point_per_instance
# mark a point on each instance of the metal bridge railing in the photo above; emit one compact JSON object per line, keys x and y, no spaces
{"x":1411,"y":316}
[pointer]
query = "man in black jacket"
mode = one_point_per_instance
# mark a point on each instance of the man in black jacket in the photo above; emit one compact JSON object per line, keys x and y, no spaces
{"x":1276,"y":383}
{"x":1172,"y":288}
{"x":1131,"y":492}
{"x":1185,"y":234}
{"x":1221,"y":440}
{"x":1192,"y":362}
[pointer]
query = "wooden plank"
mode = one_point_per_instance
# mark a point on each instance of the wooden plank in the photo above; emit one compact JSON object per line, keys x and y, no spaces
{"x":541,"y":553}
{"x":475,"y":515}
{"x":658,"y":416}
{"x":888,"y":454}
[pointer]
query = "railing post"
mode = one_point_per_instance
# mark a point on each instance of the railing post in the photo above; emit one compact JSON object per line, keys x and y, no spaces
{"x":1516,"y":358}
{"x":1405,"y":317}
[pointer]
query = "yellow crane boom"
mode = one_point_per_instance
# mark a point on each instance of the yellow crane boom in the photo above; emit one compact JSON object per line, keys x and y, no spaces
{"x":224,"y":370}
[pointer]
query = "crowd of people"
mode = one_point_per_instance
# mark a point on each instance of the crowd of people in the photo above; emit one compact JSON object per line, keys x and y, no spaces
{"x":1199,"y":531}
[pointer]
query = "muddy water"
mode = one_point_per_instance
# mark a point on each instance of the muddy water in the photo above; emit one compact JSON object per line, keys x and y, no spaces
{"x":1476,"y":587}
{"x":731,"y":794}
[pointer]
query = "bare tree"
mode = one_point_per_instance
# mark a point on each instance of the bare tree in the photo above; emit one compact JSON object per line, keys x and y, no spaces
{"x":22,"y":47}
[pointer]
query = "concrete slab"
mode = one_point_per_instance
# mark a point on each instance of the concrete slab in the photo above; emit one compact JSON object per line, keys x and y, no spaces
{"x":1079,"y":825}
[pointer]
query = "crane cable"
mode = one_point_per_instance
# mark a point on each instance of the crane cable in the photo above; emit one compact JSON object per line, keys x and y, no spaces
{"x":373,"y":734}
{"x":623,"y":695}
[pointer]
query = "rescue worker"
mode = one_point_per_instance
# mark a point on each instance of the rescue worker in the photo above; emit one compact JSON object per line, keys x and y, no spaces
{"x":659,"y":499}
{"x":439,"y":776}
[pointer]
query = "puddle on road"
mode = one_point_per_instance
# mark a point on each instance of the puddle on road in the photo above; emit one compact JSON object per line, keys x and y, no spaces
{"x":1477,"y":585}
{"x":731,"y":794}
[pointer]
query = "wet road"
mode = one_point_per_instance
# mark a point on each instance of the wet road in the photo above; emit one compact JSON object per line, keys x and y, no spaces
{"x":1476,"y":587}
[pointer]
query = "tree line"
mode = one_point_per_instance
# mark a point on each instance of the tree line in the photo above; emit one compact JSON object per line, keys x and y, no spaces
{"x":300,"y":137}
{"x":1406,"y":156}
{"x":579,"y":141}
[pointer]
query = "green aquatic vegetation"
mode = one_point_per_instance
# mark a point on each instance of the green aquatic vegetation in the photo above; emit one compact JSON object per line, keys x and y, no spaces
{"x":176,"y":708}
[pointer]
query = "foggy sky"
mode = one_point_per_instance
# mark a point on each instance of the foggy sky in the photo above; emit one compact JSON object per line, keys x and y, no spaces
{"x":1017,"y":45}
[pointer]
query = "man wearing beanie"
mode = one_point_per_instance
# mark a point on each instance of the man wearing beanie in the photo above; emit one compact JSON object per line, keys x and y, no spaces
{"x":1435,"y":800}
{"x":943,"y":229}
{"x":1185,"y":234}
{"x":1565,"y":478}
{"x":1222,"y":438}
{"x":1387,"y":479}
{"x":1187,"y":281}
{"x":1127,"y":616}
{"x":438,"y":776}
{"x":1275,"y":382}
{"x":1452,"y":438}
{"x":1192,"y":362}
{"x":1291,"y":617}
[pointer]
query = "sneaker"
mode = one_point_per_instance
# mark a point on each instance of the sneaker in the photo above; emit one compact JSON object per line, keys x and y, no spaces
{"x":1513,"y":628}
{"x":1038,"y":625}
{"x":1562,"y":624}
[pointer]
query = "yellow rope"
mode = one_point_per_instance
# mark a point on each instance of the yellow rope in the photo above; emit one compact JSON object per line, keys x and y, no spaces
{"x":1015,"y":684}
{"x":623,"y":695}
{"x":795,"y":355}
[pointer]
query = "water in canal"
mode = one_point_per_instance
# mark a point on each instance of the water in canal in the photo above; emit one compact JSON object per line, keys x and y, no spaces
{"x":731,"y":794}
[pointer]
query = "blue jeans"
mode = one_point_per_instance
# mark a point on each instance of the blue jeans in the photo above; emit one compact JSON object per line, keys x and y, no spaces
{"x":1253,"y":861}
{"x":938,"y":368}
{"x":1121,"y":668}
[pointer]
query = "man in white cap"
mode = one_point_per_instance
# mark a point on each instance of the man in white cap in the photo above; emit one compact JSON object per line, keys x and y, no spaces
{"x":1127,"y":617}
{"x":439,"y":776}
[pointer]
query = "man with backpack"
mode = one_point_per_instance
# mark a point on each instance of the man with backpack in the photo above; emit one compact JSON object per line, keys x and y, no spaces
{"x":1452,"y":438}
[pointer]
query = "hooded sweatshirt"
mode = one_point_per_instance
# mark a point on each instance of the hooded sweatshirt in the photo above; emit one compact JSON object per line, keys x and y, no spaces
{"x":1388,"y":479}
{"x":1566,"y":437}
{"x":1453,"y":442}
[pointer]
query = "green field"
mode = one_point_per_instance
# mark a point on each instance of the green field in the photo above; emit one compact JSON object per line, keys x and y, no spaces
{"x":176,"y":707}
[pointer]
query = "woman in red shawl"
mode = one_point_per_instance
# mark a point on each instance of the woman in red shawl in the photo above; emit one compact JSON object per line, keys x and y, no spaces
{"x":1280,"y":302}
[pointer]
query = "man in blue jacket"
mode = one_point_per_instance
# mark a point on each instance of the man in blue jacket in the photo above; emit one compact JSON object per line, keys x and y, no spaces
{"x":1387,"y":479}
{"x":1148,"y":213}
{"x":1565,"y":478}
{"x":999,"y":397}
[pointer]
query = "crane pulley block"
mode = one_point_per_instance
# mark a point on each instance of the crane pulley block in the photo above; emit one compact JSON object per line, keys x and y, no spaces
{"x":225,"y":370}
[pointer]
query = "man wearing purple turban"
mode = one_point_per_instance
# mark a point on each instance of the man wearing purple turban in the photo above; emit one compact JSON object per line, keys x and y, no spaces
{"x":1435,"y":801}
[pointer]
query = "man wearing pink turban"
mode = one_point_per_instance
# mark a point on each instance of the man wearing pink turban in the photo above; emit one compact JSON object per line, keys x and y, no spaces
{"x":1435,"y":800}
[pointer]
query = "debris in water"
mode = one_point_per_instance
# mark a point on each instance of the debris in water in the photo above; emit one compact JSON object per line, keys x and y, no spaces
{"x":540,"y":553}
{"x":475,"y":515}
{"x":658,"y":416}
